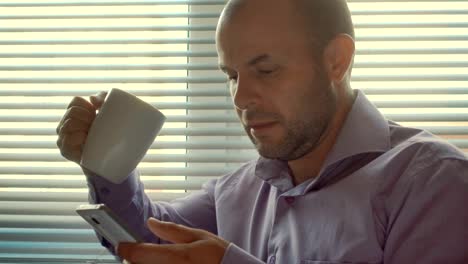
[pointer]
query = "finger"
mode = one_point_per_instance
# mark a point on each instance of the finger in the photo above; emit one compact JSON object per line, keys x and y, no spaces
{"x":71,"y":153}
{"x":74,"y":139}
{"x":98,"y":99}
{"x":151,"y":253}
{"x":74,"y":125}
{"x":77,"y":112}
{"x":175,"y":233}
{"x":81,"y":102}
{"x":60,"y":141}
{"x":72,"y":144}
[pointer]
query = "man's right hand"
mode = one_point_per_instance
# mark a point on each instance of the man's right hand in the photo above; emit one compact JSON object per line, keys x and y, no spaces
{"x":73,"y":129}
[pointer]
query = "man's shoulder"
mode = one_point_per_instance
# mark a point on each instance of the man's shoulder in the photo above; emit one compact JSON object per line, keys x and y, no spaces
{"x":418,"y":158}
{"x":418,"y":164}
{"x":420,"y":145}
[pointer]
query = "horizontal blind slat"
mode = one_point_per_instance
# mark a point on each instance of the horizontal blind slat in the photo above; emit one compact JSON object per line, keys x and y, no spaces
{"x":357,"y":25}
{"x":354,"y":12}
{"x":113,"y":3}
{"x":362,"y":51}
{"x":50,"y":248}
{"x":223,"y":91}
{"x":18,"y":144}
{"x":189,"y":184}
{"x":144,"y":92}
{"x":38,"y":208}
{"x":189,"y":145}
{"x":207,"y":80}
{"x":8,"y":258}
{"x":361,"y":38}
{"x":198,"y":158}
{"x":110,"y":29}
{"x":117,"y":41}
{"x":382,"y":103}
{"x":194,"y":158}
{"x":58,"y":170}
{"x":131,"y":15}
{"x":214,"y":67}
{"x":231,"y":118}
{"x":192,"y":131}
{"x":48,"y":235}
{"x":159,"y":105}
{"x":164,"y":132}
{"x":65,"y":196}
{"x":163,"y":2}
{"x":42,"y":221}
{"x":108,"y":54}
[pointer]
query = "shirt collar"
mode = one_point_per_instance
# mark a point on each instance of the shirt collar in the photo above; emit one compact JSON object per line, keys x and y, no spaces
{"x":365,"y":130}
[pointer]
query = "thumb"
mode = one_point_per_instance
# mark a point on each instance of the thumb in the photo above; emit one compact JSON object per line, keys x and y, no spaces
{"x":175,"y":233}
{"x":98,"y":99}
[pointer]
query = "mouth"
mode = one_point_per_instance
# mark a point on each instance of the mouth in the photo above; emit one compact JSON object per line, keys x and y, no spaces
{"x":258,"y":128}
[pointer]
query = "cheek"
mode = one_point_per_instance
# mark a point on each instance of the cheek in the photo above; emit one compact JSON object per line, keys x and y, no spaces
{"x":296,"y":108}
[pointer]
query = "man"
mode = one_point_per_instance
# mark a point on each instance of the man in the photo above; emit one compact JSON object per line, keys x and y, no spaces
{"x":336,"y":181}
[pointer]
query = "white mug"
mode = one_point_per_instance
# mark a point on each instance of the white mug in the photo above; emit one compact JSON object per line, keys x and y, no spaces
{"x":120,"y":136}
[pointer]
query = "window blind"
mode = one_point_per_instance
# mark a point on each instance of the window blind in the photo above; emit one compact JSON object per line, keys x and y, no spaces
{"x":412,"y":62}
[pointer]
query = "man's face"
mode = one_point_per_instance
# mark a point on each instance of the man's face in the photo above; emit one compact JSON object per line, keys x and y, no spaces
{"x":279,"y":88}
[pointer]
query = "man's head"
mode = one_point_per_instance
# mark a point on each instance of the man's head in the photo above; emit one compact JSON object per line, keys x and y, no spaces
{"x":289,"y":64}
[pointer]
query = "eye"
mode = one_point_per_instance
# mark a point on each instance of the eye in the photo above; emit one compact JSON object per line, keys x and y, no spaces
{"x":266,"y":71}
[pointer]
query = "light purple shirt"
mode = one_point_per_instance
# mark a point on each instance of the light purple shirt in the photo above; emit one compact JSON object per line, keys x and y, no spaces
{"x":386,"y":194}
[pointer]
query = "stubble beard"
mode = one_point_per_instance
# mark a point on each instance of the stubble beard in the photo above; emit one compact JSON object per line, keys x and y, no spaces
{"x":304,"y":133}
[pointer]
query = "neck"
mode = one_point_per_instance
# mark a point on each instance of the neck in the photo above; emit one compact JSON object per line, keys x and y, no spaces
{"x":309,"y":165}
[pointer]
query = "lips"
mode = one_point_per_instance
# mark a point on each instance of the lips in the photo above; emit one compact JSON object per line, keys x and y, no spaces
{"x":261,"y":125}
{"x":256,"y":128}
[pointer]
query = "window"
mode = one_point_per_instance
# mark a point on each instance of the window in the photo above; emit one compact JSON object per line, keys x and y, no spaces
{"x":412,"y":62}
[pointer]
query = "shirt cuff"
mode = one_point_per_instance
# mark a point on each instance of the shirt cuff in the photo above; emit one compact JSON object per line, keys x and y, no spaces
{"x":236,"y":255}
{"x":103,"y":191}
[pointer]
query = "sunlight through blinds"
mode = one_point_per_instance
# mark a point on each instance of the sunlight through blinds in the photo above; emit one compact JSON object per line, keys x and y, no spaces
{"x":412,"y":62}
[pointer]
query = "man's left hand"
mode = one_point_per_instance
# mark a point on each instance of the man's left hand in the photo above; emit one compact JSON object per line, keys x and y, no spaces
{"x":191,"y":246}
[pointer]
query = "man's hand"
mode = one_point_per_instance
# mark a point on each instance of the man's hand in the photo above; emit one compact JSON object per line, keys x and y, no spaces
{"x":73,"y":129}
{"x":191,"y":246}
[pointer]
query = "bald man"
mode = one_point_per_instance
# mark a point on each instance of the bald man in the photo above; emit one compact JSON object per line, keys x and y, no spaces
{"x":335,"y":182}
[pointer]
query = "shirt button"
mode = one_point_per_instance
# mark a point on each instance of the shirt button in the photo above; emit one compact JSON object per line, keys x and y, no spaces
{"x":272,"y":260}
{"x":289,"y":199}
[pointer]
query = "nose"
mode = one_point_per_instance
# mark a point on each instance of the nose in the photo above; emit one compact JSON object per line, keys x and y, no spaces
{"x":245,"y":93}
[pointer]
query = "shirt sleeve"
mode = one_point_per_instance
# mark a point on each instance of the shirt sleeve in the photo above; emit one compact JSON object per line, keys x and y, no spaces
{"x":427,"y":221}
{"x":130,"y":203}
{"x":236,"y":255}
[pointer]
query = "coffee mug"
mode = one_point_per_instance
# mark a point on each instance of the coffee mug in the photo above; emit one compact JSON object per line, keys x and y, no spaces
{"x":120,"y":135}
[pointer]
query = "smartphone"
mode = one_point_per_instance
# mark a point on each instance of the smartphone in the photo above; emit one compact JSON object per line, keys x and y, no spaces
{"x":107,"y":224}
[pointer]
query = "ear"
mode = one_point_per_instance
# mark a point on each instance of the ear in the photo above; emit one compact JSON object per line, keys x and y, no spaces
{"x":338,"y":57}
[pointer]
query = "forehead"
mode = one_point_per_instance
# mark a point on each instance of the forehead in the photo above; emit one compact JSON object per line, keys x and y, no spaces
{"x":259,"y":27}
{"x":257,"y":16}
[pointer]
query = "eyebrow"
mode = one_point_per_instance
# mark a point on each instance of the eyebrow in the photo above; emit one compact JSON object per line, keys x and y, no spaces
{"x":252,"y":62}
{"x":258,"y":59}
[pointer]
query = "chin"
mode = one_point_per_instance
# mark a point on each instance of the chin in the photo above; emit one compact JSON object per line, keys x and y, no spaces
{"x":269,"y":152}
